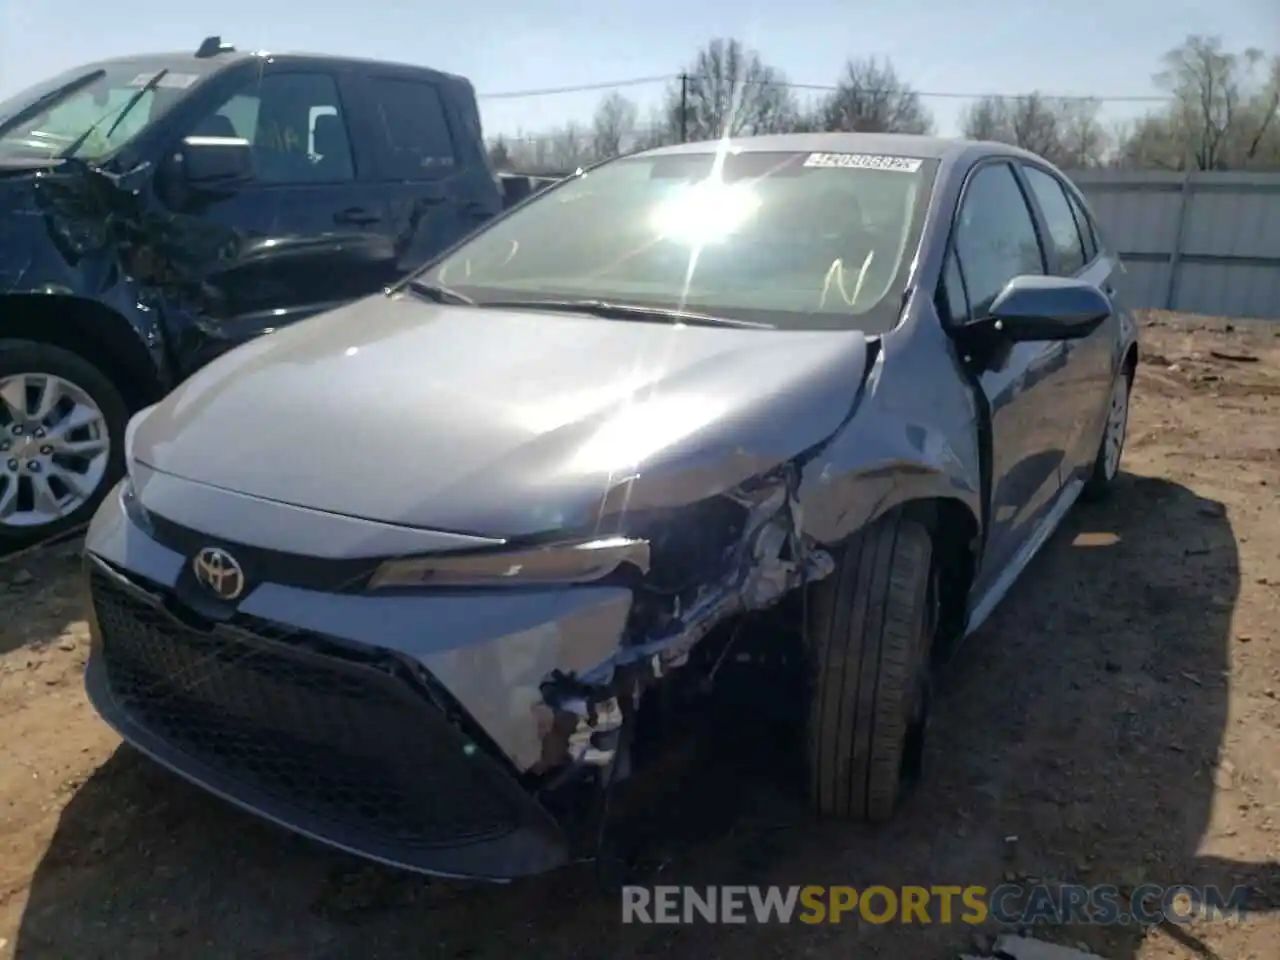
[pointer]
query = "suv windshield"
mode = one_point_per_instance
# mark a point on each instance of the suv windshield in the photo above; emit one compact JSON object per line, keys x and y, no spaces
{"x":46,"y":120}
{"x":794,"y":240}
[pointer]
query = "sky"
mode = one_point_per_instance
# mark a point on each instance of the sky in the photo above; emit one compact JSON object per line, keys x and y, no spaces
{"x":1104,"y":48}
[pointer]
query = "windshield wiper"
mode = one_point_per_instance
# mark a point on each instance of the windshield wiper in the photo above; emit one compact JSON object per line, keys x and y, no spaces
{"x":439,"y":292}
{"x":46,"y":100}
{"x":129,"y":105}
{"x":628,"y":311}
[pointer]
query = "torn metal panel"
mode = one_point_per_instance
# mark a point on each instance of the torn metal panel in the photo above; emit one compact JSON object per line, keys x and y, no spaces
{"x":769,"y":561}
{"x":85,"y":235}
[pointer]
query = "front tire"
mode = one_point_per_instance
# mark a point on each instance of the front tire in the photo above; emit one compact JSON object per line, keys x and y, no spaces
{"x":871,"y":627}
{"x":62,"y":425}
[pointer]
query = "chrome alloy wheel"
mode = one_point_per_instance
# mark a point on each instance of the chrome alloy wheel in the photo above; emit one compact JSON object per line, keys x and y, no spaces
{"x":54,"y":449}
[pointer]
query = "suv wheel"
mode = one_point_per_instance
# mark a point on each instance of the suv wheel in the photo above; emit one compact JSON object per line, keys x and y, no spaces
{"x":61,"y":441}
{"x":871,"y":628}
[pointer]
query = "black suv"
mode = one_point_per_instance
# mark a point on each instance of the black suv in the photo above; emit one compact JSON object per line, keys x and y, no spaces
{"x":158,"y":210}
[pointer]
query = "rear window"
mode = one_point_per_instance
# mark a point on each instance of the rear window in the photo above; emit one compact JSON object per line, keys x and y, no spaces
{"x":797,"y":240}
{"x":416,"y":140}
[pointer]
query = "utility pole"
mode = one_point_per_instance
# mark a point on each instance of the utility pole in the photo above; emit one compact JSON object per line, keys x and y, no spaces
{"x":684,"y":108}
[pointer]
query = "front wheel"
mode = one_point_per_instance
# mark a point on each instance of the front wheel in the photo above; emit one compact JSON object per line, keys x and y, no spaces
{"x":62,"y":427}
{"x":871,"y":628}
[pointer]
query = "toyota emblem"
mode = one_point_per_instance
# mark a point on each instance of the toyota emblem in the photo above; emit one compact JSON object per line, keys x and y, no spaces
{"x":220,"y":572}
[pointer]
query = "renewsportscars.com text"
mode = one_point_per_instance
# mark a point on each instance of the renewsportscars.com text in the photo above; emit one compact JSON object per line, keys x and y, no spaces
{"x":1008,"y":904}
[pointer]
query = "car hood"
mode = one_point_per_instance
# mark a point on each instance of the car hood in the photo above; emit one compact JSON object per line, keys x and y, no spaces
{"x":504,"y":423}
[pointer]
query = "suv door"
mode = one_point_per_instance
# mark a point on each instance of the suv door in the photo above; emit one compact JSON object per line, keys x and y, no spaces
{"x":302,"y":236}
{"x":425,"y":173}
{"x":1092,"y":363}
{"x":993,"y":240}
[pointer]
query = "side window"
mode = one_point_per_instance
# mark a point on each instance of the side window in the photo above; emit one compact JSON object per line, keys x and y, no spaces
{"x":995,"y":236}
{"x":416,"y":141}
{"x":1085,"y":223}
{"x":1063,"y":232}
{"x":295,"y":124}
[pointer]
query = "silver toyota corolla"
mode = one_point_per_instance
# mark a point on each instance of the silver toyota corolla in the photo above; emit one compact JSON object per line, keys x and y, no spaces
{"x":403,"y":576}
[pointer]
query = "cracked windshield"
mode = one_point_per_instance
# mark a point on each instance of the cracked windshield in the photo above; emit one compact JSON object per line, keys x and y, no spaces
{"x":742,"y":481}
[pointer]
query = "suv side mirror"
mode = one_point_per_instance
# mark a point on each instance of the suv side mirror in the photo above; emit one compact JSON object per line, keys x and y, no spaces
{"x":1046,"y":308}
{"x":216,"y":161}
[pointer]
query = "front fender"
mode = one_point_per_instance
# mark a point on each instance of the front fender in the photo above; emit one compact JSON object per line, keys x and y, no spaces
{"x":841,"y":493}
{"x":914,"y":437}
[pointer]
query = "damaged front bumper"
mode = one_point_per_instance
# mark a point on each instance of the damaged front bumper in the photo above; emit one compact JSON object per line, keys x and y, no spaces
{"x":426,"y":730}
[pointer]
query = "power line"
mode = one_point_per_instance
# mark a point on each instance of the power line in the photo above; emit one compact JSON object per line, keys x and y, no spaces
{"x":584,"y":88}
{"x":830,"y":88}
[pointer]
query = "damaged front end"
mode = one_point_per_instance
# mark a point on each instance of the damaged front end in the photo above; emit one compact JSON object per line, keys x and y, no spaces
{"x":688,"y":570}
{"x":739,"y":553}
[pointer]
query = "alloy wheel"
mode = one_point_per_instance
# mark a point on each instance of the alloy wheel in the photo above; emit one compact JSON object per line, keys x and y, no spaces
{"x":54,"y":449}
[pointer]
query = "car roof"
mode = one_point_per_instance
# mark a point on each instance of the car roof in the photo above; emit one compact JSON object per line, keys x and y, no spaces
{"x":946,"y":149}
{"x":186,"y":60}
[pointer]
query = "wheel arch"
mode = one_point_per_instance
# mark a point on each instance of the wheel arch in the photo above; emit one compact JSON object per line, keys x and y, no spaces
{"x":1130,"y":363}
{"x":954,"y":529}
{"x":90,"y":330}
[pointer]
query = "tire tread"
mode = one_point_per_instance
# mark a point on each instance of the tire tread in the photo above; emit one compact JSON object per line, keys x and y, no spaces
{"x":864,"y":629}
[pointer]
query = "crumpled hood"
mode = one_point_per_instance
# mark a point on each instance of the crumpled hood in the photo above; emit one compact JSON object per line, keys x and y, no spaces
{"x":502,"y":423}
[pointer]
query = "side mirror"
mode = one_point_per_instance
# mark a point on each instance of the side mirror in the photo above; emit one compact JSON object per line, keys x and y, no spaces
{"x":1047,"y":308}
{"x":216,"y":161}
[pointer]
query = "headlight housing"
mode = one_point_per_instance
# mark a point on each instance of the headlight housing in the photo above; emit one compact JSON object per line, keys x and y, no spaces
{"x":674,"y":549}
{"x":575,"y":561}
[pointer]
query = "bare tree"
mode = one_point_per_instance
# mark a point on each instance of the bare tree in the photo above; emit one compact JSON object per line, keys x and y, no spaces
{"x":987,"y":119}
{"x":1066,"y":132}
{"x":500,"y":153}
{"x":1224,"y":112}
{"x":871,"y":98}
{"x":655,"y":131}
{"x":729,"y":90}
{"x":613,"y":126}
{"x":568,"y":148}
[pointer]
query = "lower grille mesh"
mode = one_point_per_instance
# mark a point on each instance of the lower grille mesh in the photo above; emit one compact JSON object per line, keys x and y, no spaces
{"x":341,"y":743}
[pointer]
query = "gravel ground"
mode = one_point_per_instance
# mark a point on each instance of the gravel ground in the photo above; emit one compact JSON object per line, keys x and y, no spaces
{"x":1118,"y":716}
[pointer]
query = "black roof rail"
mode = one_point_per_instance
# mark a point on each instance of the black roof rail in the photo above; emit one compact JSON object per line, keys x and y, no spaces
{"x":212,"y":46}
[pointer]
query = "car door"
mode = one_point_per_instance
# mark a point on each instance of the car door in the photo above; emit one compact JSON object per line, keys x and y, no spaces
{"x":993,"y":240}
{"x":1091,"y":362}
{"x":303,"y":235}
{"x":422,"y":168}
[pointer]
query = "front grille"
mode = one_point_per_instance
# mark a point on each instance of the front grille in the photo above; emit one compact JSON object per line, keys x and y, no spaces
{"x":339,"y":744}
{"x":261,"y":565}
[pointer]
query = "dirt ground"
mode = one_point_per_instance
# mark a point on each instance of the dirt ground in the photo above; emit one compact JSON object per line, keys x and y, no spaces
{"x":1118,"y":716}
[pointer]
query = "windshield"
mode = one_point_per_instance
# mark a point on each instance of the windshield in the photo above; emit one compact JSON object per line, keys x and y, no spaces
{"x":46,"y":120}
{"x":795,"y":240}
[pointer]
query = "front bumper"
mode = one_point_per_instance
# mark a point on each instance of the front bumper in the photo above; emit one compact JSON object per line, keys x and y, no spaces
{"x":398,"y":728}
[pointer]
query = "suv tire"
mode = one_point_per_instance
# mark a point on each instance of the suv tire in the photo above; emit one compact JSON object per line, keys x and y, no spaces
{"x":89,"y":390}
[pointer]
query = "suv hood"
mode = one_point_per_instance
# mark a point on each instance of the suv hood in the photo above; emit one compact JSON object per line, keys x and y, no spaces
{"x":503,"y":423}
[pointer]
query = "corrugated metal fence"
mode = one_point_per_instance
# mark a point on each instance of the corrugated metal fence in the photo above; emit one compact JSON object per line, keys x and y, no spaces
{"x":1200,"y":243}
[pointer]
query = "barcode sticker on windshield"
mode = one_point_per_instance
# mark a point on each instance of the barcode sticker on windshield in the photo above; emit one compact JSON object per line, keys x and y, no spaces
{"x":864,"y":161}
{"x":170,"y":81}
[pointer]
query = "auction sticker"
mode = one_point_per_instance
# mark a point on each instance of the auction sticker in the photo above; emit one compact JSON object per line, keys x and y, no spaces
{"x":864,"y":161}
{"x":170,"y":81}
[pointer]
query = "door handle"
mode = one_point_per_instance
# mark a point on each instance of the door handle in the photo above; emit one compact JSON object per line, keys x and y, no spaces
{"x":357,"y":216}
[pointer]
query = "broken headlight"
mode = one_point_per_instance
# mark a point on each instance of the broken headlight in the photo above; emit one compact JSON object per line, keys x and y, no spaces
{"x":692,"y":545}
{"x":578,"y":561}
